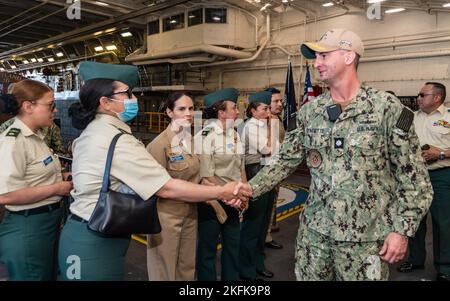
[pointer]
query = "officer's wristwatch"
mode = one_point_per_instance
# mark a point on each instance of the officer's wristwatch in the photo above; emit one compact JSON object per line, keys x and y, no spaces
{"x":442,"y":155}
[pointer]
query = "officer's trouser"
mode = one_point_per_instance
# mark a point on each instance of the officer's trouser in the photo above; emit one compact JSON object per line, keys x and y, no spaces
{"x":254,"y":229}
{"x":28,"y":245}
{"x":209,"y":230}
{"x":171,"y":253}
{"x":319,"y":257}
{"x":85,"y":255}
{"x":440,"y":215}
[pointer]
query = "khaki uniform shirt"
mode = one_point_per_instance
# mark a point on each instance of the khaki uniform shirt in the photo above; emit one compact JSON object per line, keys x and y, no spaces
{"x":368,"y":177}
{"x":132,"y":166}
{"x":434,"y":129}
{"x":221,"y":153}
{"x":179,"y":161}
{"x":52,"y":136}
{"x":26,"y":161}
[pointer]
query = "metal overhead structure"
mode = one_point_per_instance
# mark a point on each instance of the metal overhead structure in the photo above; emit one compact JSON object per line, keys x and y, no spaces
{"x":29,"y":27}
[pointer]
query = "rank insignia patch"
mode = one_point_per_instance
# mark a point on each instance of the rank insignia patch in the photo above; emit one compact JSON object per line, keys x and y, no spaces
{"x":338,"y":143}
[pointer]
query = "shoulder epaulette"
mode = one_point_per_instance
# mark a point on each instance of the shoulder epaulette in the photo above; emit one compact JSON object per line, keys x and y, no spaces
{"x":405,"y":120}
{"x":206,"y":131}
{"x":13,"y":132}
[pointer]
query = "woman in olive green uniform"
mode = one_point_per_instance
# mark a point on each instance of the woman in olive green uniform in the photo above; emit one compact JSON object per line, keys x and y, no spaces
{"x":31,"y":186}
{"x":171,"y":253}
{"x":106,"y":103}
{"x":221,"y":161}
{"x":256,"y":137}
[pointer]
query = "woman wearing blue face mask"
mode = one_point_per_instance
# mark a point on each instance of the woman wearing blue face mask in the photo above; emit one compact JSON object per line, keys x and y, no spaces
{"x":106,"y":103}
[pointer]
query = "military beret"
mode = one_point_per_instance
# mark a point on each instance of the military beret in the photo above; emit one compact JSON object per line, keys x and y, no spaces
{"x":127,"y":74}
{"x":263,"y":97}
{"x":230,"y":94}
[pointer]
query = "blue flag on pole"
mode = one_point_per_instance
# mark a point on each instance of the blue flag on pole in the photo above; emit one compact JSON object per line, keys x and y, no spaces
{"x":308,"y":91}
{"x":290,"y":105}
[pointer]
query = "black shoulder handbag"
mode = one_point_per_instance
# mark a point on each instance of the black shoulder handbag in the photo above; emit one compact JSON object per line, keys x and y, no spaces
{"x":119,"y":214}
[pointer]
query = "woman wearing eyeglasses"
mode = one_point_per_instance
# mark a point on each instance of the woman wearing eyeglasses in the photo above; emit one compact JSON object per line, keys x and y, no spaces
{"x":106,"y":104}
{"x":31,"y":185}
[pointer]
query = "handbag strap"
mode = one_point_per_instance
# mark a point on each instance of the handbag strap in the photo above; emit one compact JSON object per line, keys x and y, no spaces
{"x":105,"y":184}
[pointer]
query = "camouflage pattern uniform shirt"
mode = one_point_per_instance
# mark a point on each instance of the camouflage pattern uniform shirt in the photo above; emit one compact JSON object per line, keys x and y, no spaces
{"x":367,"y":174}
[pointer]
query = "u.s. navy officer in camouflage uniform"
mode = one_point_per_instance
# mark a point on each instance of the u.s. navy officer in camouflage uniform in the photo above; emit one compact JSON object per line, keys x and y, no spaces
{"x":369,"y":185}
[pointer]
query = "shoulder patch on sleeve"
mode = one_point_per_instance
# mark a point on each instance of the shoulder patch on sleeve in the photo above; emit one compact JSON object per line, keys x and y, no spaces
{"x":405,"y":120}
{"x":14,"y":132}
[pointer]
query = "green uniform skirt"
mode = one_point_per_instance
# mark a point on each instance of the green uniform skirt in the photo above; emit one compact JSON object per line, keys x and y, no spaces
{"x":85,"y":255}
{"x":28,"y":245}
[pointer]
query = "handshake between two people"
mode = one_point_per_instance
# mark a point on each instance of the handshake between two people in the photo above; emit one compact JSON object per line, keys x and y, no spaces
{"x":236,"y":194}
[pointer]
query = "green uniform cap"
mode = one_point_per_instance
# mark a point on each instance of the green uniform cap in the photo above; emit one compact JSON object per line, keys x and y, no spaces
{"x":263,"y":97}
{"x":230,"y":94}
{"x":127,"y":74}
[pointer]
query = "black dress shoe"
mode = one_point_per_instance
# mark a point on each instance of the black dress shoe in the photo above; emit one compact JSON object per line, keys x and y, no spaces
{"x":273,"y":245}
{"x":443,"y":277}
{"x":408,"y":267}
{"x":265,"y":273}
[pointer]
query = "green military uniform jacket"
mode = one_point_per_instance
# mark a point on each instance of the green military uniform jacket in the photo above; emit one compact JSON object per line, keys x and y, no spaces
{"x":367,"y":174}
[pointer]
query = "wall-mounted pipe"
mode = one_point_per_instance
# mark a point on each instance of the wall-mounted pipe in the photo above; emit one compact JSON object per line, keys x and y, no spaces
{"x":407,"y":43}
{"x":217,"y":50}
{"x":255,"y":68}
{"x":177,"y":61}
{"x":413,"y":55}
{"x":242,"y":60}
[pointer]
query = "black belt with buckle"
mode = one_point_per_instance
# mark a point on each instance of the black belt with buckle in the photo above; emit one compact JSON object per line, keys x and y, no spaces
{"x":38,"y":210}
{"x":77,"y":218}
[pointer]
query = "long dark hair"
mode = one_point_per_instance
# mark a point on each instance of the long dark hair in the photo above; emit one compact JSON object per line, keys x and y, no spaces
{"x":84,"y":112}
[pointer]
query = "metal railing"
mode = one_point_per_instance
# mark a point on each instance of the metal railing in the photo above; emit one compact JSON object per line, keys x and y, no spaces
{"x":157,"y":121}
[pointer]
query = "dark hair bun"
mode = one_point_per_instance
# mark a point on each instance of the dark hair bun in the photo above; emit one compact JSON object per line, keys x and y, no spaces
{"x":80,"y":116}
{"x":10,"y":104}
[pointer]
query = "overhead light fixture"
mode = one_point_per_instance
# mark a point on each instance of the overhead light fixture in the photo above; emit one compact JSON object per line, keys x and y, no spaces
{"x":394,"y":10}
{"x":110,"y":30}
{"x":50,"y":59}
{"x":374,"y":1}
{"x":101,"y":3}
{"x":40,"y":60}
{"x":33,"y":60}
{"x":111,"y":47}
{"x":60,"y":54}
{"x":2,"y":69}
{"x":215,"y":18}
{"x":98,"y":33}
{"x":446,"y":5}
{"x":173,"y":21}
{"x":13,"y":67}
{"x":328,"y":4}
{"x":26,"y":62}
{"x":126,"y":34}
{"x":98,"y":48}
{"x":285,"y":1}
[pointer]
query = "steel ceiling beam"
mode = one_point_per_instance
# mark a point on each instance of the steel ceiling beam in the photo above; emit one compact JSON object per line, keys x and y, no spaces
{"x":93,"y":27}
